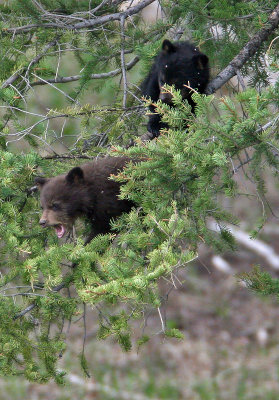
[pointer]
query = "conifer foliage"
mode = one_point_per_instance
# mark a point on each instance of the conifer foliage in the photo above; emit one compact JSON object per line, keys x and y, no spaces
{"x":61,"y":61}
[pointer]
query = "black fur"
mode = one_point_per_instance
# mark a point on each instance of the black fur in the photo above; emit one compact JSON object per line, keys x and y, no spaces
{"x":178,"y":64}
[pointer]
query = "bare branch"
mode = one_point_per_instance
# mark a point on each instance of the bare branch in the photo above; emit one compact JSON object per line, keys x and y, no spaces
{"x":11,"y":79}
{"x":81,"y":25}
{"x":46,"y":118}
{"x":68,"y":157}
{"x":56,"y":88}
{"x":222,"y":265}
{"x":123,"y":67}
{"x":257,"y":246}
{"x":35,"y":60}
{"x":161,"y":319}
{"x":25,"y":311}
{"x":84,"y":336}
{"x":39,"y":6}
{"x":246,"y":53}
{"x":104,"y":2}
{"x":93,"y":76}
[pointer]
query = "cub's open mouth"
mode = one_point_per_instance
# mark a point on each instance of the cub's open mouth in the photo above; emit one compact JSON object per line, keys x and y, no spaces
{"x":60,"y":230}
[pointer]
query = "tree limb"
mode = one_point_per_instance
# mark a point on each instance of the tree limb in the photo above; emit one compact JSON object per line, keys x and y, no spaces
{"x":123,"y":65}
{"x":80,"y":25}
{"x":257,"y":246}
{"x":247,"y":52}
{"x":73,"y":78}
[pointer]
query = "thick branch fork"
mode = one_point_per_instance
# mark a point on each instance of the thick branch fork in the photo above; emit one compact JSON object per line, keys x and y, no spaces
{"x":246,"y":53}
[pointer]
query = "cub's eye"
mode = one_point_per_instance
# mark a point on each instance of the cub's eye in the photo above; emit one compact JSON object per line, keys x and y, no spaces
{"x":55,"y":207}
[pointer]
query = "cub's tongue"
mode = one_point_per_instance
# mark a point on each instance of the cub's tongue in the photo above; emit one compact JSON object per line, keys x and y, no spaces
{"x":60,"y":231}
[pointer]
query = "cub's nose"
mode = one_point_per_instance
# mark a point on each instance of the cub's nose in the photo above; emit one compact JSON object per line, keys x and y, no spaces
{"x":42,"y":222}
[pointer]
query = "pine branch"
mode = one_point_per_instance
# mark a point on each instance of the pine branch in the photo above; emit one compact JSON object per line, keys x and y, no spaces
{"x":81,"y":25}
{"x":246,"y":53}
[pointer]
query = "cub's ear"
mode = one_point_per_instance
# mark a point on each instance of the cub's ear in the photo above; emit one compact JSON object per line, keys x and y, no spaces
{"x":40,"y":182}
{"x":75,"y":176}
{"x":168,"y":47}
{"x":200,"y":61}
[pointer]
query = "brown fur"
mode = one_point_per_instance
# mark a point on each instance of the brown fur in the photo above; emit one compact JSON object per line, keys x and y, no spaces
{"x":84,"y":191}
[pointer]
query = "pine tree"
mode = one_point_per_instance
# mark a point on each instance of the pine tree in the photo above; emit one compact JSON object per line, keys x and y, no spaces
{"x":59,"y":56}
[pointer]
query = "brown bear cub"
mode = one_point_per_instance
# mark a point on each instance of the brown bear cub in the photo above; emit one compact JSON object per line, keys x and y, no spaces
{"x":83,"y":191}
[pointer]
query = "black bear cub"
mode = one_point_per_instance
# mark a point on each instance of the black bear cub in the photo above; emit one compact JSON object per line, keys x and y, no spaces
{"x":178,"y":64}
{"x":83,"y":191}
